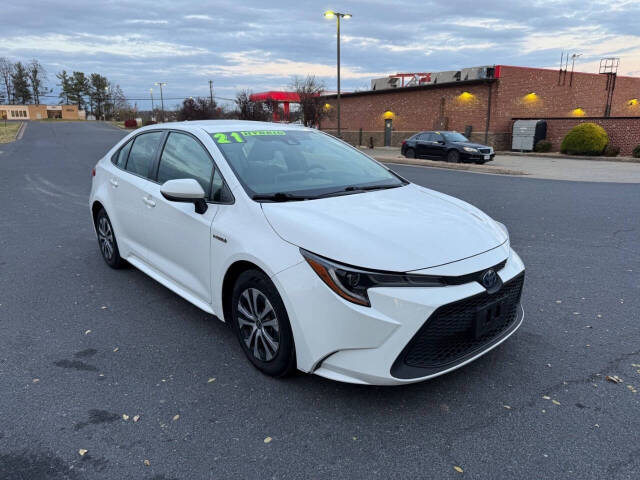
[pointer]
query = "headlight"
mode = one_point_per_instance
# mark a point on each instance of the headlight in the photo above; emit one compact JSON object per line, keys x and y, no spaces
{"x":470,"y":149}
{"x":352,"y":283}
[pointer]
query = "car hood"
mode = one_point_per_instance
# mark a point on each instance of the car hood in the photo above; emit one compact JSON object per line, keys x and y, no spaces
{"x":470,"y":144}
{"x":399,"y":229}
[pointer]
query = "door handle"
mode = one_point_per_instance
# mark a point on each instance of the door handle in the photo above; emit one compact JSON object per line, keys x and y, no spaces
{"x":113,"y":182}
{"x":149,"y":201}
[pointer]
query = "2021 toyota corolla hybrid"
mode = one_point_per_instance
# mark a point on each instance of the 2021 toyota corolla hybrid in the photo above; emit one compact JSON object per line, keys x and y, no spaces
{"x":320,"y":258}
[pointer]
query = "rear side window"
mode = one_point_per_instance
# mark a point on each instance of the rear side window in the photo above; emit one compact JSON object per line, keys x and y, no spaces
{"x":425,"y":137}
{"x":184,"y":157}
{"x":143,"y":153}
{"x":120,"y":158}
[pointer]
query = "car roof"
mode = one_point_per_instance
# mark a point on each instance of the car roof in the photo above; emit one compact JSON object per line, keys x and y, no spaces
{"x":214,"y":126}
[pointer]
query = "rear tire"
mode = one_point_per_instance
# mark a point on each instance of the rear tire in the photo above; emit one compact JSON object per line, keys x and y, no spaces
{"x":107,"y":241}
{"x":261,"y":323}
{"x":453,"y":156}
{"x":410,"y":153}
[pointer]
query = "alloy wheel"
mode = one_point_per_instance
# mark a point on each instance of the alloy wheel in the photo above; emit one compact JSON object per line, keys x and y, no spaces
{"x":258,"y":324}
{"x":105,"y":238}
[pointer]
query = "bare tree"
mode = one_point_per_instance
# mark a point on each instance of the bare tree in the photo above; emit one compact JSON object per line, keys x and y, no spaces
{"x":37,"y":76}
{"x":250,"y":110}
{"x":6,"y":69}
{"x":310,"y":90}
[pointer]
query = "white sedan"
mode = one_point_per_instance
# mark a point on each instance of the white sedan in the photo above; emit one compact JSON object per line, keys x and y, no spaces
{"x":320,"y":258}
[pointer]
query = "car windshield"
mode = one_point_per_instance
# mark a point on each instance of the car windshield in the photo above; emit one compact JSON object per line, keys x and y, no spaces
{"x":299,"y":164}
{"x":455,"y":137}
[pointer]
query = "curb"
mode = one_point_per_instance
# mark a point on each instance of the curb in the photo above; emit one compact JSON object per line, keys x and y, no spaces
{"x":569,"y":157}
{"x":470,"y":167}
{"x":20,"y":131}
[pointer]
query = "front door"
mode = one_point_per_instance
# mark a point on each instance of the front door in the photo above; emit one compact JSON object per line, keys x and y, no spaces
{"x":438,"y":146}
{"x":179,"y":239}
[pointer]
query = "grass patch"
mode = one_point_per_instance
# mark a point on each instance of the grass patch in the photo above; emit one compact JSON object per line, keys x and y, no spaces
{"x":8,"y":131}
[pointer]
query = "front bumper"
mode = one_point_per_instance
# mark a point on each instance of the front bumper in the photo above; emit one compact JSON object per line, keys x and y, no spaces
{"x":346,"y":342}
{"x":476,"y":157}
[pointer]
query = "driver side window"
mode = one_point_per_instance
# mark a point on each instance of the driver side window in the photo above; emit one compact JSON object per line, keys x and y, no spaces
{"x":184,"y":157}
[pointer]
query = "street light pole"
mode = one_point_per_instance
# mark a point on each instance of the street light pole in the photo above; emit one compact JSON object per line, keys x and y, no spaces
{"x":338,"y":16}
{"x":161,"y":84}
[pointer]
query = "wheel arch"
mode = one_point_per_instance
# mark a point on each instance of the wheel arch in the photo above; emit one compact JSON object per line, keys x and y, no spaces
{"x":230,"y":277}
{"x":96,"y":206}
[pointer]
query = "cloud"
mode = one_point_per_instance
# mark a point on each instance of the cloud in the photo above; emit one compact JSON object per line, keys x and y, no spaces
{"x":259,"y":63}
{"x":147,"y":22}
{"x":198,"y":17}
{"x":130,"y":45}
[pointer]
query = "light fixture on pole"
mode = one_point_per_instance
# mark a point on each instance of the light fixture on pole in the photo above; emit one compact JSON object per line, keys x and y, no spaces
{"x":337,"y":15}
{"x":161,"y":84}
{"x":106,"y":102}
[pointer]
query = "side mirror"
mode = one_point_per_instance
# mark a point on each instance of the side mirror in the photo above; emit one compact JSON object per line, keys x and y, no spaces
{"x":185,"y":190}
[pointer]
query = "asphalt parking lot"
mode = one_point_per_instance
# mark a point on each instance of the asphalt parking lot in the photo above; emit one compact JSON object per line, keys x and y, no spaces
{"x":82,"y":344}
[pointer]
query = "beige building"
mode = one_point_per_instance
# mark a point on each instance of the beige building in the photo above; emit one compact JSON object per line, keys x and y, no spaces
{"x":39,"y":112}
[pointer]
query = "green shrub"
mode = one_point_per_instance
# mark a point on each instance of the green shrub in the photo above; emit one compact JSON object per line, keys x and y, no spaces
{"x":585,"y":139}
{"x":543,"y":146}
{"x":636,"y":152}
{"x":611,"y":151}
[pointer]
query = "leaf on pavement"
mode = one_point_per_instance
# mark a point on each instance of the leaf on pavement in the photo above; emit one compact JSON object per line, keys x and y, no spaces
{"x":555,"y":402}
{"x":507,"y":407}
{"x":87,"y":332}
{"x":458,"y":469}
{"x":82,"y":452}
{"x":35,"y":380}
{"x":116,"y":349}
{"x":147,"y":463}
{"x":176,"y":417}
{"x":546,"y":397}
{"x":614,"y":378}
{"x":103,"y":307}
{"x":125,"y":417}
{"x":211,"y":380}
{"x":268,"y":440}
{"x":136,"y":418}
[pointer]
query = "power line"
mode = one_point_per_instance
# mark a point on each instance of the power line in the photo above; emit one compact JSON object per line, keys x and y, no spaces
{"x":166,"y":98}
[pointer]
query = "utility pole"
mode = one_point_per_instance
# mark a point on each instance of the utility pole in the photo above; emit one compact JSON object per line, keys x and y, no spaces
{"x":211,"y":96}
{"x":152,"y":107}
{"x":161,"y":84}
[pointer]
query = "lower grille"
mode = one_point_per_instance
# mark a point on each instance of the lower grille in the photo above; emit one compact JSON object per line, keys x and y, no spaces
{"x":484,"y":150}
{"x":452,"y":334}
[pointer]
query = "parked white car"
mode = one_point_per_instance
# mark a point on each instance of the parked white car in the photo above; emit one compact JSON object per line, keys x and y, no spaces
{"x":319,"y":257}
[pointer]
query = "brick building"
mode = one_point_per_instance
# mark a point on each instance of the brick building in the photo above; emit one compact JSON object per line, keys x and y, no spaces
{"x":39,"y":112}
{"x":488,"y":106}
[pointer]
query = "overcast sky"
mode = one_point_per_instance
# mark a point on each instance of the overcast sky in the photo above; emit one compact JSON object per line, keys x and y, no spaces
{"x":260,"y":45}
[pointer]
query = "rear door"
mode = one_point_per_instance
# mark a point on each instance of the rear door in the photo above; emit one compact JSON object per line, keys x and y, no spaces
{"x":179,"y":239}
{"x":128,"y":187}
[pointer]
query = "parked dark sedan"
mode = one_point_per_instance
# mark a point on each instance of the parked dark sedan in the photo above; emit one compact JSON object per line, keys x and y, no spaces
{"x":447,"y":146}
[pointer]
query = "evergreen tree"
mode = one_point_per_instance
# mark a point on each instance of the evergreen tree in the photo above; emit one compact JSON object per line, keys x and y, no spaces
{"x":20,"y":80}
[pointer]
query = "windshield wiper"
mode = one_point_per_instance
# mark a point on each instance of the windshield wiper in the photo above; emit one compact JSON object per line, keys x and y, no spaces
{"x":281,"y":197}
{"x":354,"y":188}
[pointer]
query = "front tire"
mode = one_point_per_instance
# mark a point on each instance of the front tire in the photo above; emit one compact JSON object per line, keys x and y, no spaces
{"x":262,"y":326}
{"x":410,"y":153}
{"x":107,"y":241}
{"x":453,"y":156}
